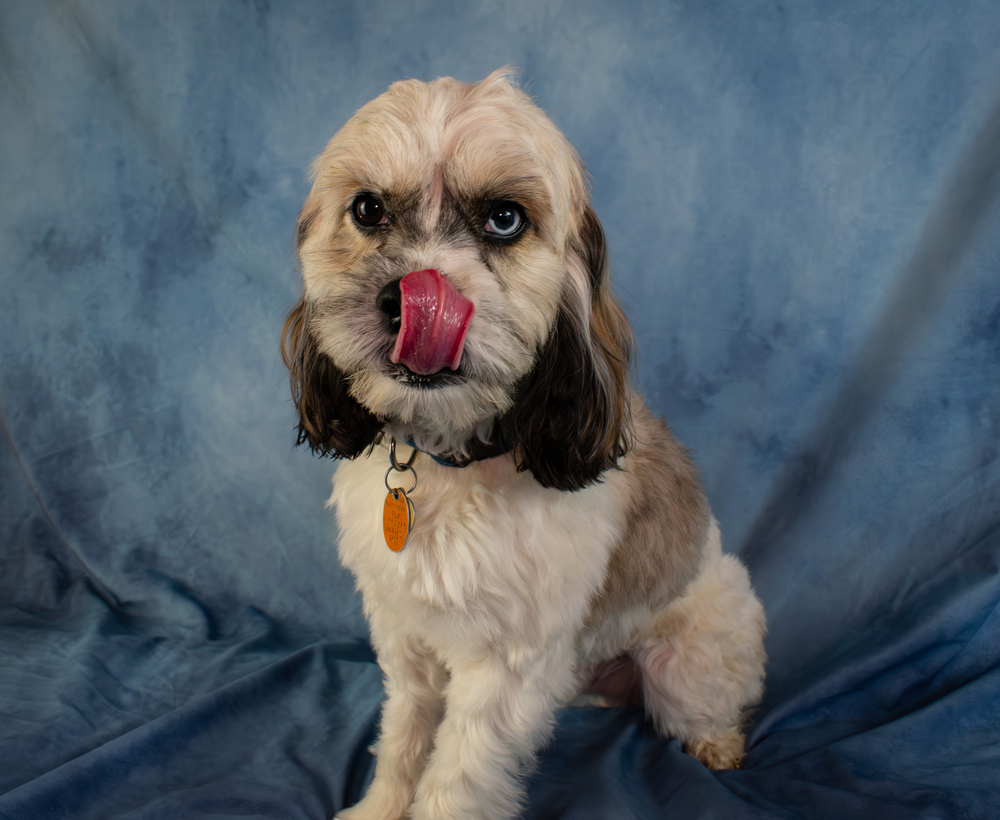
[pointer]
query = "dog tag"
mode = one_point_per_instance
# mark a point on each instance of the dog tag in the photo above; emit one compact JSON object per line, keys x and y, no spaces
{"x":397,"y":519}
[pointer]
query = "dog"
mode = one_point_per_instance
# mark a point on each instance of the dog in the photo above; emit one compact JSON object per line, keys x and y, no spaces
{"x":521,"y":528}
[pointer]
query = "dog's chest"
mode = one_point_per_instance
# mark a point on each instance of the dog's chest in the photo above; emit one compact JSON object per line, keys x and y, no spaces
{"x":491,"y":551}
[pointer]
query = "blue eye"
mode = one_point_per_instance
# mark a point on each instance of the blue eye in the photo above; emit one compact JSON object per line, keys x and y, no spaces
{"x":506,"y":219}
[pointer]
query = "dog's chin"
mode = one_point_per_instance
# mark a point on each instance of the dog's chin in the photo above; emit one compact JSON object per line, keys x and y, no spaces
{"x":448,"y":404}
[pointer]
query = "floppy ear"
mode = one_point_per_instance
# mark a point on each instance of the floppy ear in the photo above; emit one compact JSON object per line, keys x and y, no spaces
{"x":571,"y":419}
{"x":330,"y":419}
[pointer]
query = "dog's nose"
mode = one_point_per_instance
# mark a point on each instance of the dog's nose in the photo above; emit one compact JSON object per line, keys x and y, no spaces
{"x":389,"y":301}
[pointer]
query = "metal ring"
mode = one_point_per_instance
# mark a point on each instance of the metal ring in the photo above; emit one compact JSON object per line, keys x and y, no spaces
{"x":395,"y":464}
{"x":395,"y":490}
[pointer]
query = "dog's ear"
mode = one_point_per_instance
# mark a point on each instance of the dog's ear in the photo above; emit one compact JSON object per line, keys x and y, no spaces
{"x":331,"y":421}
{"x":571,"y":419}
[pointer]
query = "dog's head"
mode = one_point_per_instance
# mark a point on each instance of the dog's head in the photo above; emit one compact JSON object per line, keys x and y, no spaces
{"x":456,"y":288}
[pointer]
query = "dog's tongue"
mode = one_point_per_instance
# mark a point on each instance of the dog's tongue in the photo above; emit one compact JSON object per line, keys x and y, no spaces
{"x":434,"y":319}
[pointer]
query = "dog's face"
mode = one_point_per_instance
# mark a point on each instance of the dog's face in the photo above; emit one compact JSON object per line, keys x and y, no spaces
{"x":455,"y":287}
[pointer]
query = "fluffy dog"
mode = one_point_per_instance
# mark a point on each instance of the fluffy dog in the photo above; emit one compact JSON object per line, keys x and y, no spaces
{"x":550,"y":536}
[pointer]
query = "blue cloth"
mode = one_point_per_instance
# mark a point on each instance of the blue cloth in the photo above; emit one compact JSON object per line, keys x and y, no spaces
{"x":801,"y":202}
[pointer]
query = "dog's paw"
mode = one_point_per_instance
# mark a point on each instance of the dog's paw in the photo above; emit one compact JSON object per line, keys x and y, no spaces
{"x":374,"y":806}
{"x":724,"y":751}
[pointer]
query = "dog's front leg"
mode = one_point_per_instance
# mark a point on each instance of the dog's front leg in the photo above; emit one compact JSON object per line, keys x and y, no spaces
{"x":495,"y":719}
{"x":414,"y":682}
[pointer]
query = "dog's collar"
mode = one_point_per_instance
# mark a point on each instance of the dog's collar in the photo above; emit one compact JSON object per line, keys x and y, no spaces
{"x":478,"y":451}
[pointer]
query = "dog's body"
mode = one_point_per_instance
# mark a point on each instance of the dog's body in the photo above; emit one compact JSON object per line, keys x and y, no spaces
{"x":573,"y":548}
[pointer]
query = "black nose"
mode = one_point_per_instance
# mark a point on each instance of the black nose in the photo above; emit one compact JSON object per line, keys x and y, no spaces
{"x":388,"y":301}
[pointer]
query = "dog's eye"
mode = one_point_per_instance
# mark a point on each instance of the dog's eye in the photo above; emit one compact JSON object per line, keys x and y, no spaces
{"x":369,"y":211}
{"x":505,"y":219}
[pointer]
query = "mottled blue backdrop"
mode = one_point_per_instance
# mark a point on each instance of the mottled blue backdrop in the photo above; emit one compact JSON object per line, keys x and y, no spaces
{"x":802,"y":207}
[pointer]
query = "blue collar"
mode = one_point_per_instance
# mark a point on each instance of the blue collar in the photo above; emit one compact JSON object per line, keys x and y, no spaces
{"x":480,"y":453}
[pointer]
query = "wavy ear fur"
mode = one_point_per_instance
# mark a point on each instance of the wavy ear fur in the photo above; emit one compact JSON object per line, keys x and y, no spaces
{"x":330,"y":420}
{"x":571,"y":419}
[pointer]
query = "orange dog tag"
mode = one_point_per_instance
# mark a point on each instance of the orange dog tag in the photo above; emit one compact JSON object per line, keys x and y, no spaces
{"x":397,"y":519}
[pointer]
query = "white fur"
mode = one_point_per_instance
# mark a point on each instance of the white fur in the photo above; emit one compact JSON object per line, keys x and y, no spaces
{"x":492,"y":586}
{"x":479,"y":628}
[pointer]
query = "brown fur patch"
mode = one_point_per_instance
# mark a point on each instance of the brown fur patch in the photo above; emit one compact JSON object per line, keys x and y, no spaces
{"x":666,"y":522}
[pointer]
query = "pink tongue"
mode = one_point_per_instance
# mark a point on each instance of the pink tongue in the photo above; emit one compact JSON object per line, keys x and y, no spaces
{"x":434,"y":319}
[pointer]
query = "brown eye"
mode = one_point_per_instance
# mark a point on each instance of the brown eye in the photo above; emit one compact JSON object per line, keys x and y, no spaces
{"x":369,"y":211}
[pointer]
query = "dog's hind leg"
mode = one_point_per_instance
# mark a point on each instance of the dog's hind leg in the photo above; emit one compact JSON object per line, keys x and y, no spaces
{"x":702,"y":664}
